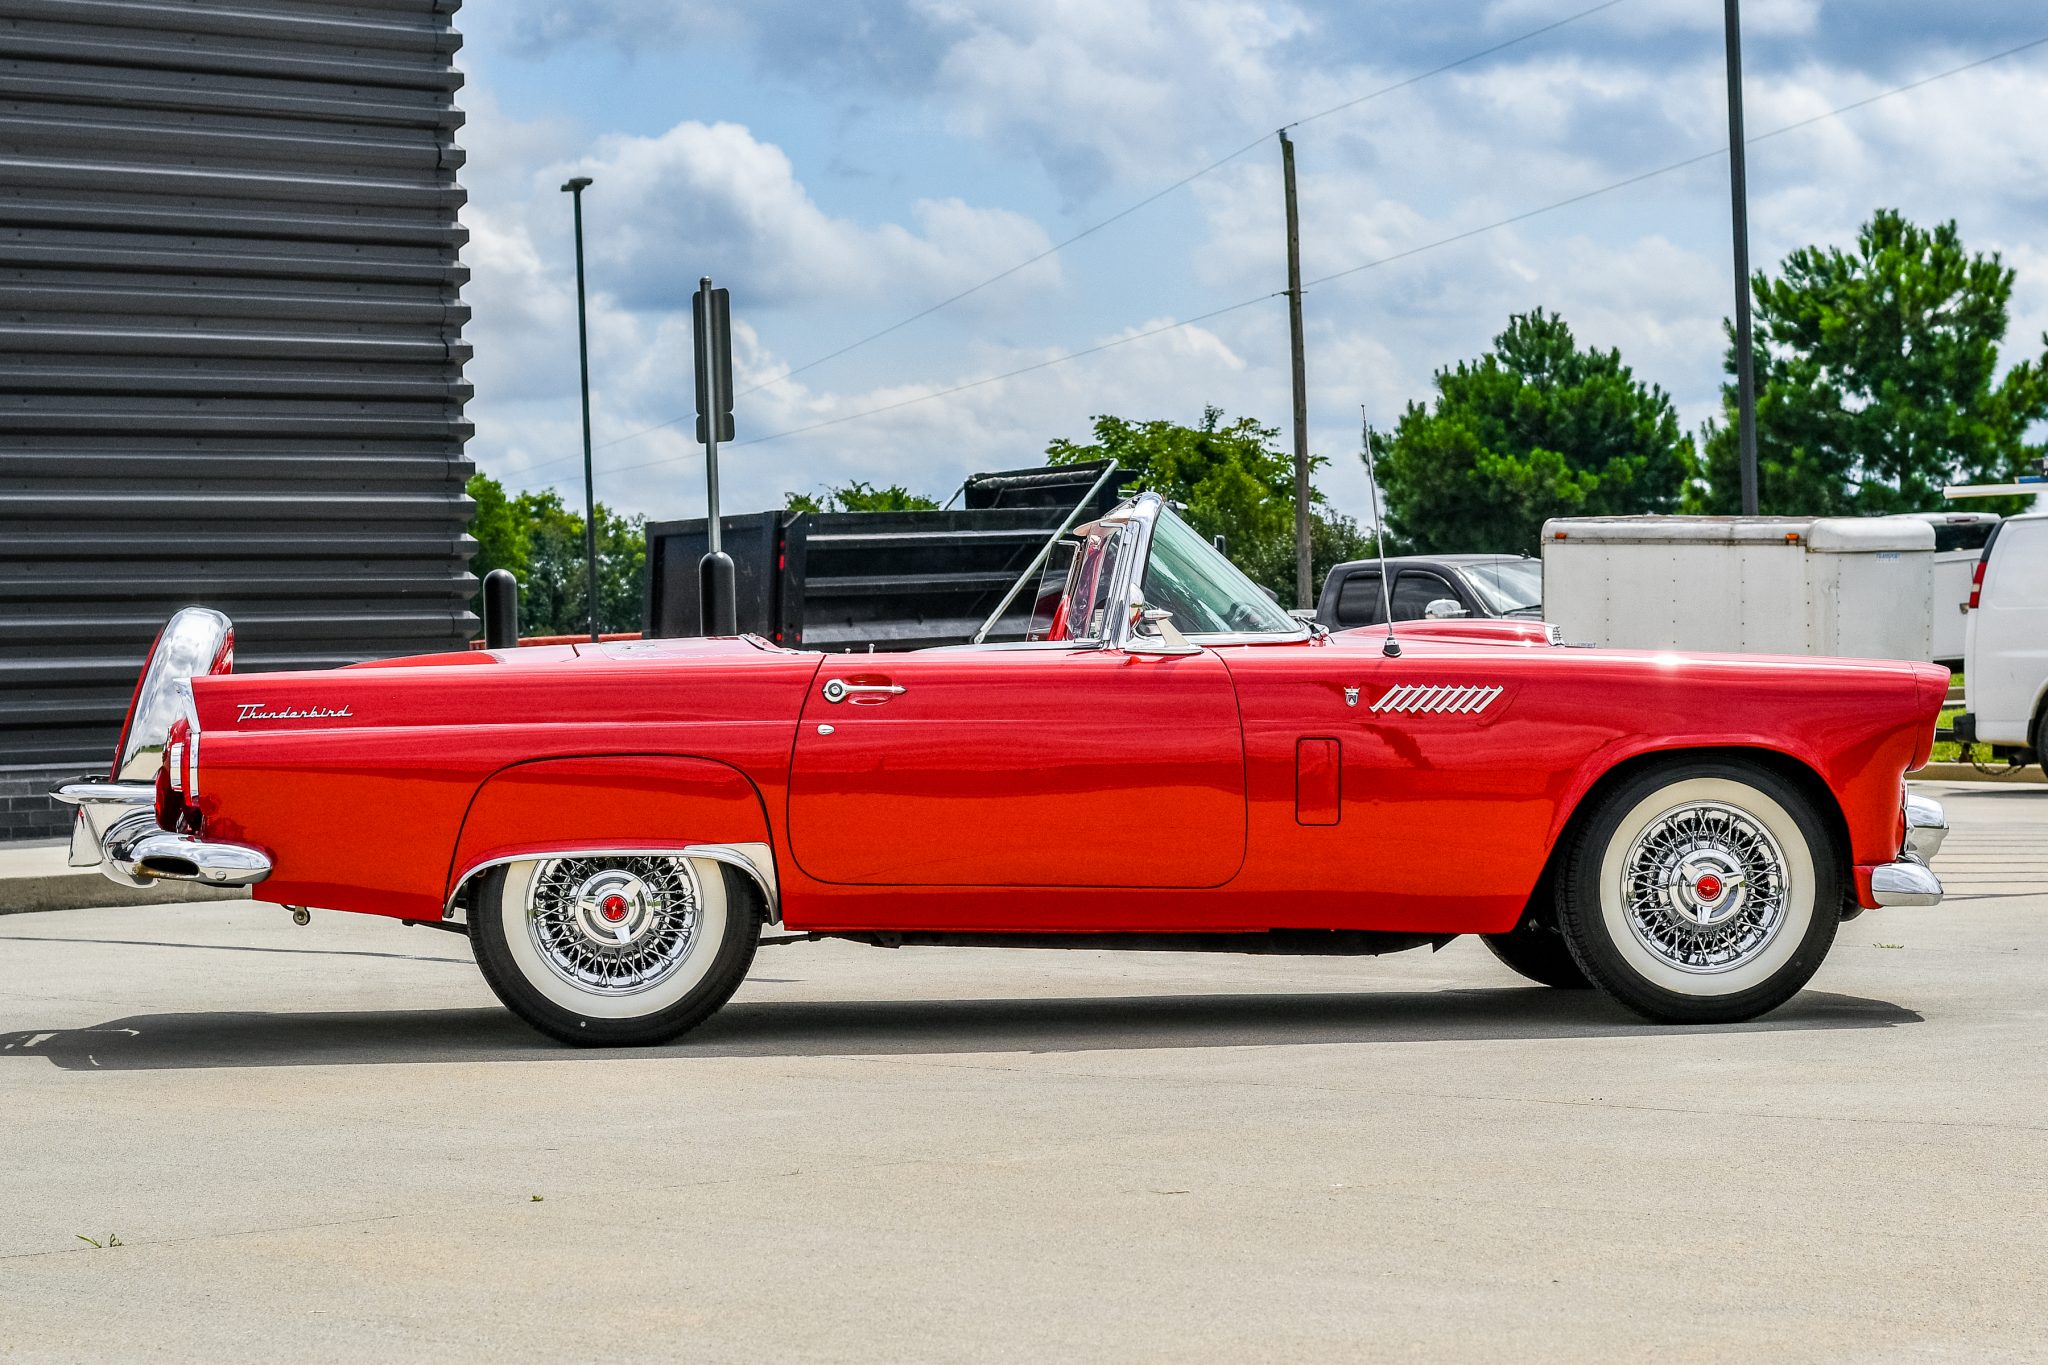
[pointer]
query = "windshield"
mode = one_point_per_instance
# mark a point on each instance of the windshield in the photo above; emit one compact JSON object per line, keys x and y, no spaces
{"x":1206,"y":593}
{"x":1507,"y":585}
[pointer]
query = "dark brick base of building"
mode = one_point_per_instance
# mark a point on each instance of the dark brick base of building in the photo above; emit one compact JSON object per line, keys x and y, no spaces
{"x":26,"y":810}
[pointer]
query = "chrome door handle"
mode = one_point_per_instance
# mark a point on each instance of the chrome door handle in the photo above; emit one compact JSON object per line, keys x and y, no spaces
{"x":837,"y":690}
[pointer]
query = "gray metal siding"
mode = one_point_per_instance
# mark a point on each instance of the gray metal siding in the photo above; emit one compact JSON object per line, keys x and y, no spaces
{"x":230,"y":343}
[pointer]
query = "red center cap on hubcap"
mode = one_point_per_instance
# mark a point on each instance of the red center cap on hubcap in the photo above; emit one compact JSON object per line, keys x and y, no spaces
{"x":613,"y":907}
{"x":1708,"y":886}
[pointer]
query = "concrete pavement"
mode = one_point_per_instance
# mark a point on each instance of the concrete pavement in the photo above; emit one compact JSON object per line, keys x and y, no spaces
{"x":326,"y":1143}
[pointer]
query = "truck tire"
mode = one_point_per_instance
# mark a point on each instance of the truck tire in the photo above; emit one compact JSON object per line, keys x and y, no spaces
{"x":614,"y":950}
{"x":1701,"y":892}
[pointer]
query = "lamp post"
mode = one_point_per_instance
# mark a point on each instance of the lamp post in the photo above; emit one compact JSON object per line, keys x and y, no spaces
{"x":574,"y":189}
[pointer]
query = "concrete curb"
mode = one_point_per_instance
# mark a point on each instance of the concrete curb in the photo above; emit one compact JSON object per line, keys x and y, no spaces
{"x":35,"y":877}
{"x":1964,"y":772}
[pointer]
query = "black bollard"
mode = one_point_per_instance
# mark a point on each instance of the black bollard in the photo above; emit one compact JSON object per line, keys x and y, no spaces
{"x":716,"y":597}
{"x":501,"y":610}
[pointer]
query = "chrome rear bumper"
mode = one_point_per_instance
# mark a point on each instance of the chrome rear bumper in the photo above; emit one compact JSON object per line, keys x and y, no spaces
{"x":116,"y":831}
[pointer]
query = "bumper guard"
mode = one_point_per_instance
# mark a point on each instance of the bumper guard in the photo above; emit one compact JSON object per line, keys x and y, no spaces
{"x":116,"y":831}
{"x":1910,"y":881}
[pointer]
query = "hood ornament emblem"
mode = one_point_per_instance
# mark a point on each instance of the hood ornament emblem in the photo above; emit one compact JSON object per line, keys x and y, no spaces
{"x":1351,"y":696}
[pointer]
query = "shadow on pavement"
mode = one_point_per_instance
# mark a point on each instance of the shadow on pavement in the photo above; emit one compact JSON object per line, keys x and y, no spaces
{"x":894,"y":1027}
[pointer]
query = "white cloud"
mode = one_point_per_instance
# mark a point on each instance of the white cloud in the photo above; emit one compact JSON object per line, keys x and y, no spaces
{"x":1129,"y":96}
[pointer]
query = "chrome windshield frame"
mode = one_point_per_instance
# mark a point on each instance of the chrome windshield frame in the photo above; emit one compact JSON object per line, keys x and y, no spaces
{"x":1138,"y":516}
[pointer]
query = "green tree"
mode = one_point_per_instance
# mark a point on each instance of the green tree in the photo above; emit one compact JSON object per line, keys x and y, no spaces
{"x":1876,"y":385}
{"x":1535,"y":428}
{"x":502,"y":541}
{"x":540,"y":540}
{"x":1332,"y":539}
{"x":860,"y":496}
{"x":1229,"y":480}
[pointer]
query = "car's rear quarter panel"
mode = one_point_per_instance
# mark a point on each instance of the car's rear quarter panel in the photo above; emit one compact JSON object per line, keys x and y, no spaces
{"x":374,"y":812}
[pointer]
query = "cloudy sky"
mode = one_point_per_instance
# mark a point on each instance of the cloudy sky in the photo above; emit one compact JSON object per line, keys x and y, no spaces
{"x":844,"y":166}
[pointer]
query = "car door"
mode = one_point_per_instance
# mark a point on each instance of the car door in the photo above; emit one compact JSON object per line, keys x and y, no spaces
{"x":1044,"y":765}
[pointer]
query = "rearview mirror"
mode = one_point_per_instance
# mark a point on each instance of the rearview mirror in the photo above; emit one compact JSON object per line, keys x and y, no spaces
{"x":1443,"y":609}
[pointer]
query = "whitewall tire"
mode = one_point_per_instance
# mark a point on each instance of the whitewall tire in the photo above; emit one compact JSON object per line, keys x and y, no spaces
{"x":1702,"y":891}
{"x":612,"y":949}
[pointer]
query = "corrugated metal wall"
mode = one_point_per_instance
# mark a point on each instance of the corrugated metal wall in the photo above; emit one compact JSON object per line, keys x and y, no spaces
{"x":230,"y":343}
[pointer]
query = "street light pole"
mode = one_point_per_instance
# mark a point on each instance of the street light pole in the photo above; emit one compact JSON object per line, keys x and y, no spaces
{"x":1738,"y":188}
{"x":575,"y":190}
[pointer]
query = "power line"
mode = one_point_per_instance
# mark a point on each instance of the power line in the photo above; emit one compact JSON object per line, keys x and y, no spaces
{"x":1450,"y":240}
{"x":1677,"y":165}
{"x":970,"y":384}
{"x":1127,"y":211}
{"x":1465,"y":60}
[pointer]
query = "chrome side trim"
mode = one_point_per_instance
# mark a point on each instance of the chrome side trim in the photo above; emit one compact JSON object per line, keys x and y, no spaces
{"x":1926,"y":828}
{"x":1905,"y":883}
{"x":756,"y":860}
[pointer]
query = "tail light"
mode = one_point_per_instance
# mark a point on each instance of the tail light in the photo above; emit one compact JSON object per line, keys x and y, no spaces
{"x":177,"y":781}
{"x":1976,"y":586}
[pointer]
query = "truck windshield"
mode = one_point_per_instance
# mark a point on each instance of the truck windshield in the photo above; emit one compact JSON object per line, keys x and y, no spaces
{"x":1207,"y":594}
{"x":1507,"y":585}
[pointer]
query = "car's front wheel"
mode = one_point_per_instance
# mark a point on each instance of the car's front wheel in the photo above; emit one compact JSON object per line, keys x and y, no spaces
{"x":614,"y":950}
{"x":1701,"y":892}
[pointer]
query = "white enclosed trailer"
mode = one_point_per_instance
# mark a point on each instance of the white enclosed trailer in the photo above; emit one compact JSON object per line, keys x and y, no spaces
{"x":1847,"y":586}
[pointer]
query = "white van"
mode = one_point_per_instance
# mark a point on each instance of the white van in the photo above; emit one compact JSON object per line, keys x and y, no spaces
{"x":2005,"y":653}
{"x":1959,"y":540}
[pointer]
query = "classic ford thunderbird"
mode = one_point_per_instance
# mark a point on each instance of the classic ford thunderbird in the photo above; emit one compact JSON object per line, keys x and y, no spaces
{"x":1176,"y":763}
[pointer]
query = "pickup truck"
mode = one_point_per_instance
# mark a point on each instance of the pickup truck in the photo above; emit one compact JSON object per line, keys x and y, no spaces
{"x":1428,"y":587}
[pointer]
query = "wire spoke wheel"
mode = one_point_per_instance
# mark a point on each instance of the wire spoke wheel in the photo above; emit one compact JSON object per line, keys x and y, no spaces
{"x":1705,"y":887}
{"x":619,"y":947}
{"x":1701,"y":891}
{"x":616,"y":926}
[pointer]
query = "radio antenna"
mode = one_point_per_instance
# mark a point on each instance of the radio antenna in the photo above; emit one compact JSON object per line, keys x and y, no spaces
{"x":1392,"y":647}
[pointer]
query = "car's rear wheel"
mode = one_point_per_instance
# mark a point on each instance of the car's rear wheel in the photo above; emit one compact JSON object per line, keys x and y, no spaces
{"x":614,"y":950}
{"x":1701,"y":892}
{"x":1535,"y":949}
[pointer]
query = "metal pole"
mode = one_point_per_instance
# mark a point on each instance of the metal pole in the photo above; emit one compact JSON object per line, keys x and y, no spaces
{"x":575,"y":189}
{"x":1738,"y":189}
{"x":1303,"y":587}
{"x":710,"y":432}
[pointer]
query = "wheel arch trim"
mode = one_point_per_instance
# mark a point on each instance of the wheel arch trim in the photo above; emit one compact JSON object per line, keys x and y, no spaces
{"x":1791,"y":766}
{"x":755,"y":860}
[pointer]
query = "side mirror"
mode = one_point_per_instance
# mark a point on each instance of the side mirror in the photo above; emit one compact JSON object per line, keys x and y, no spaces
{"x":1163,"y":638}
{"x":1443,"y":609}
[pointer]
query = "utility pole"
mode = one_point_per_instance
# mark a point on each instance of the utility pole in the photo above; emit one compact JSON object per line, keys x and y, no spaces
{"x":575,"y":190}
{"x":1303,"y":587}
{"x":1738,"y":189}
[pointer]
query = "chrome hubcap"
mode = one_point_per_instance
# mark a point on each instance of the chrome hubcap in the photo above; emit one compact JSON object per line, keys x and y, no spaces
{"x":1704,"y":887}
{"x":616,"y":925}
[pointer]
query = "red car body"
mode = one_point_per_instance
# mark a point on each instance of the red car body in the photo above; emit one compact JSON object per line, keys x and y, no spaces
{"x":1228,"y":790}
{"x":1227,"y":786}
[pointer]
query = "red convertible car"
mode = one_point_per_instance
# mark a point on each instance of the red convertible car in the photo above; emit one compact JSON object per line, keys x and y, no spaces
{"x":1178,"y":764}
